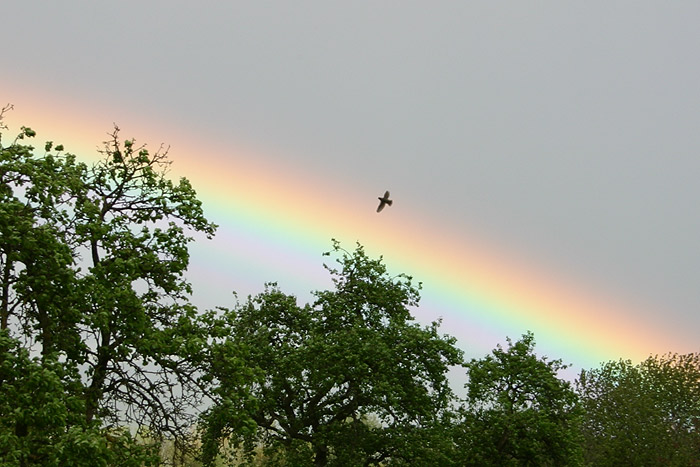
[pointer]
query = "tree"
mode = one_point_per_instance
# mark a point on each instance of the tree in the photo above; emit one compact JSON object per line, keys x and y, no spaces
{"x":130,"y":221}
{"x":517,"y":411}
{"x":645,"y":414}
{"x":91,"y":275}
{"x":347,"y":380}
{"x":42,"y":421}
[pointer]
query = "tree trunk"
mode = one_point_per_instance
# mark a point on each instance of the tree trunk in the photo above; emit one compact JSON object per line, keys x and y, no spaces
{"x":320,"y":456}
{"x":5,"y":301}
{"x":95,"y":391}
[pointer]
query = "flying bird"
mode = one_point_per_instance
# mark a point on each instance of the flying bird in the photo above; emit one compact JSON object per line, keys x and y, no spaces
{"x":383,"y":201}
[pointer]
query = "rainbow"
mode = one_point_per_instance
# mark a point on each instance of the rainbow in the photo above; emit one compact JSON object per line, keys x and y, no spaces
{"x":276,"y":221}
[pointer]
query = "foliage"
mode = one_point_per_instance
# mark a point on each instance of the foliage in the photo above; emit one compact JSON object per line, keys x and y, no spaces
{"x":91,"y":275}
{"x":346,"y":380}
{"x":97,"y":335}
{"x":42,"y":418}
{"x":646,"y":414}
{"x":518,"y":412}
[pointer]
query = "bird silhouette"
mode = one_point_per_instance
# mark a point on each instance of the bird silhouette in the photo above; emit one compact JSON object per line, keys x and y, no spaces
{"x":383,"y":201}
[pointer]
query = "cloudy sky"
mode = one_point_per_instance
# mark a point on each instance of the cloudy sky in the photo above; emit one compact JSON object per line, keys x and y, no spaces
{"x":563,"y":135}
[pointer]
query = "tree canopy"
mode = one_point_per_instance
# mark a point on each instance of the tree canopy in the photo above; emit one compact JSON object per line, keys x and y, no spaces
{"x":105,"y":361}
{"x":518,"y":411}
{"x":338,"y":382}
{"x":91,"y":275}
{"x":645,"y":414}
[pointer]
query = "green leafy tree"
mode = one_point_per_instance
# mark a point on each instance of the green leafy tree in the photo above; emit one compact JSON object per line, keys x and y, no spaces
{"x":646,"y":414}
{"x":130,"y":222}
{"x":348,"y":380}
{"x":42,"y":418}
{"x":36,"y":257}
{"x":518,"y":412}
{"x":92,"y":262}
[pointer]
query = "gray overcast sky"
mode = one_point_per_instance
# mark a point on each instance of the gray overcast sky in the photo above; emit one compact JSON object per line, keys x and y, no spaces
{"x":568,"y":132}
